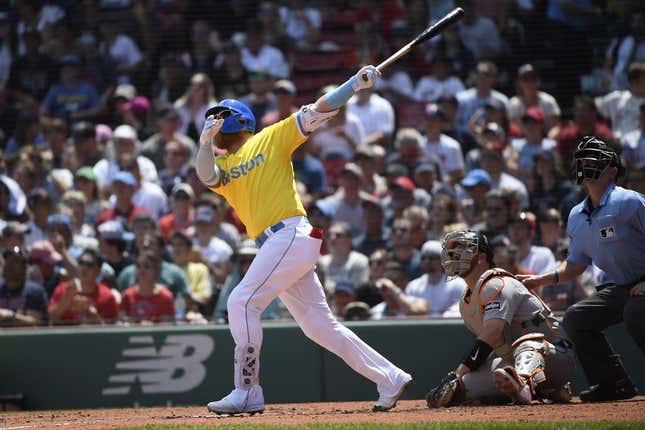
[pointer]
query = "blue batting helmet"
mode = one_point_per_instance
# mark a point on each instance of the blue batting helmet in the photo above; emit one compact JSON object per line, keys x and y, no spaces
{"x":237,"y":116}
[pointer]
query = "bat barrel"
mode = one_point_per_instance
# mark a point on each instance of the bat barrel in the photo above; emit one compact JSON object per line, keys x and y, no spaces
{"x":448,"y":20}
{"x":454,"y":16}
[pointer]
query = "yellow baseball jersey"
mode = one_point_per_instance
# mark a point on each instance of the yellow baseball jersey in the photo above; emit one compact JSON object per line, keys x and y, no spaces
{"x":258,"y":179}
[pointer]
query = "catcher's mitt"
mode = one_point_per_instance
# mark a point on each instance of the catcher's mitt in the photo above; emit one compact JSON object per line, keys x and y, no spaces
{"x":447,"y":393}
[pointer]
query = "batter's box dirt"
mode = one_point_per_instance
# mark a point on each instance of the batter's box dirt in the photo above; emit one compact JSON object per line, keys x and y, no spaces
{"x":407,"y":411}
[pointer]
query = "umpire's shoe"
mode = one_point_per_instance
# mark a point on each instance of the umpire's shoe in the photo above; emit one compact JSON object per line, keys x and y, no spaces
{"x":618,"y":386}
{"x":385,"y":403}
{"x":240,"y":402}
{"x":623,"y":390}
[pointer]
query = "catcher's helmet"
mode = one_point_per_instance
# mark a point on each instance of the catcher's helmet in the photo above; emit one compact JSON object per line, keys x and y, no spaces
{"x":592,"y":157}
{"x":459,"y":248}
{"x":236,"y":115}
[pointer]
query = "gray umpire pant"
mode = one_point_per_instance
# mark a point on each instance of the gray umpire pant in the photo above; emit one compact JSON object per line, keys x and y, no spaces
{"x":586,"y":321}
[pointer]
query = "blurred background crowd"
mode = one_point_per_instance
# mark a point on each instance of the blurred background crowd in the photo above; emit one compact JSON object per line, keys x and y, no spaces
{"x":103,"y":219}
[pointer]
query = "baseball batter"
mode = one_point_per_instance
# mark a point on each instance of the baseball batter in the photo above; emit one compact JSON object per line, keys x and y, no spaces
{"x":255,"y":175}
{"x":520,"y":352}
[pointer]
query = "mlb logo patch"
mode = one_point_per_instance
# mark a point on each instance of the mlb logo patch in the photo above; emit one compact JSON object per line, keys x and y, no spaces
{"x":607,"y":232}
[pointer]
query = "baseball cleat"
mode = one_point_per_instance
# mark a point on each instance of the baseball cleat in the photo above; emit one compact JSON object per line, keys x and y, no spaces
{"x":506,"y":382}
{"x":240,"y":402}
{"x":385,"y":403}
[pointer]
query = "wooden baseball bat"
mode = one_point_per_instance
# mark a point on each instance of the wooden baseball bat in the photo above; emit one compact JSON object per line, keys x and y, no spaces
{"x":448,"y":20}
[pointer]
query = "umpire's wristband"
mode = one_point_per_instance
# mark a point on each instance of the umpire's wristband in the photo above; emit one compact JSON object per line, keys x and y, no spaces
{"x":478,"y":355}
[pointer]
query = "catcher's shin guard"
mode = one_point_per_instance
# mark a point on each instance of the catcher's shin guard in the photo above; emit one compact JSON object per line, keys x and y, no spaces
{"x":529,"y":352}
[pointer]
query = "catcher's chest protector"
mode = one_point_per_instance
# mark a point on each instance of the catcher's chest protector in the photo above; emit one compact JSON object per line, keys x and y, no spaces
{"x":497,"y":288}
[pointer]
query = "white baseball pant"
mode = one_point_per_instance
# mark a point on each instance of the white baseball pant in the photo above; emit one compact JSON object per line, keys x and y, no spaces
{"x":284,"y":268}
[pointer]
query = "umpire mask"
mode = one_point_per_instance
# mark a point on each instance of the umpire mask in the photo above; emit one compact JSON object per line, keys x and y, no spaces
{"x":592,"y":157}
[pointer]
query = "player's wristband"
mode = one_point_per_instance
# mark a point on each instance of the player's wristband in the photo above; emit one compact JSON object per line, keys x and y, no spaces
{"x":478,"y":355}
{"x":340,"y":95}
{"x":555,"y":278}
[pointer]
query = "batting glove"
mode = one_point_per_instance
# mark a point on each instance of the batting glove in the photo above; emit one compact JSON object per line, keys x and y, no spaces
{"x":365,"y":78}
{"x":211,"y":128}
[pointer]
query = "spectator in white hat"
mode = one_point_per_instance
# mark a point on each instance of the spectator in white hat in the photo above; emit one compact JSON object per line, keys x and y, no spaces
{"x":113,"y":244}
{"x":124,"y":141}
{"x":216,"y":253}
{"x":124,"y":185}
{"x":433,"y":286}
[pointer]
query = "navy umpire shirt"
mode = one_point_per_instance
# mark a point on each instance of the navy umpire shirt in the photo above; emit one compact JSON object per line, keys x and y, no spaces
{"x":611,"y":235}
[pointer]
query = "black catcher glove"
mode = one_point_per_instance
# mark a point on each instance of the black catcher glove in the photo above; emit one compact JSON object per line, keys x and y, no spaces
{"x":449,"y":390}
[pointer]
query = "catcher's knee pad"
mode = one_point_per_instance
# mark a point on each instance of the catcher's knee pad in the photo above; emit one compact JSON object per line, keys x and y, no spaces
{"x":247,"y":365}
{"x":529,"y":352}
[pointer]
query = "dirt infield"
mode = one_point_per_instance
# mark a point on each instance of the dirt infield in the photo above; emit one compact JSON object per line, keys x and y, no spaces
{"x":407,"y":411}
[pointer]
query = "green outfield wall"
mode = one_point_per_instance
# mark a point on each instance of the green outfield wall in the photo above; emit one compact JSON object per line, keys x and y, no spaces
{"x":66,"y":368}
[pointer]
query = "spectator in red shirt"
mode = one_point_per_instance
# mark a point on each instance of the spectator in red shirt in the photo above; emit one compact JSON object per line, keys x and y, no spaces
{"x":585,"y":123}
{"x":147,"y":302}
{"x":181,"y":215}
{"x":83,"y":299}
{"x":124,"y":185}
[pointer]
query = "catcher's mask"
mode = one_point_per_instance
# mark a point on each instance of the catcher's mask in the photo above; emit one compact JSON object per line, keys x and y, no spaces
{"x":236,"y":115}
{"x":458,"y":250}
{"x":592,"y":157}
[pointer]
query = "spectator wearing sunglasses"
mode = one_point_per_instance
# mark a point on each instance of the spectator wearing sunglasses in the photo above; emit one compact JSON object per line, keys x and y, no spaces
{"x":403,"y":250}
{"x":175,"y":165}
{"x":21,"y":302}
{"x":83,"y":299}
{"x":147,"y":301}
{"x":378,"y":260}
{"x":342,"y":263}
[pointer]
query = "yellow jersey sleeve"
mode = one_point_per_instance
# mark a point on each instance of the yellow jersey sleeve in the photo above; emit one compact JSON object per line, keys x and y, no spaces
{"x":286,"y":135}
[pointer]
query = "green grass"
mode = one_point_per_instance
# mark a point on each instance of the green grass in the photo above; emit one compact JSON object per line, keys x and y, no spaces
{"x":412,"y":426}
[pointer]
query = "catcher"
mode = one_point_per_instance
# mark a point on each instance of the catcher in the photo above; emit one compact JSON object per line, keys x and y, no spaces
{"x":520,"y":352}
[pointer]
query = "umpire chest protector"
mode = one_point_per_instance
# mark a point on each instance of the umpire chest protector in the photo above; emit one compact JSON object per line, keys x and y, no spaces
{"x":499,"y":295}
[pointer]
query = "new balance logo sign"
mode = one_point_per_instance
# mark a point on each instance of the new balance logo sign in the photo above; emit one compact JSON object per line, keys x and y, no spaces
{"x":176,"y":367}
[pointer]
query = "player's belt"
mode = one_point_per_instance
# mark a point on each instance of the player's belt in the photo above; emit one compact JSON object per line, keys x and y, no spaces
{"x":267,"y":233}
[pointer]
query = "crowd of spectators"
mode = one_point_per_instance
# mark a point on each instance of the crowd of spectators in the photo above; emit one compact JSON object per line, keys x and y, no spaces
{"x":103,"y":218}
